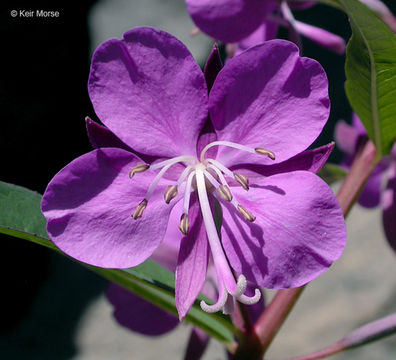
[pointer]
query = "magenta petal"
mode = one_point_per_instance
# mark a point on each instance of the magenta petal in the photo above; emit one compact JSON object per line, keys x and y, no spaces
{"x":228,"y":20}
{"x":166,"y":254}
{"x":266,"y":31}
{"x":148,"y":90}
{"x":196,"y":345}
{"x":300,"y":5}
{"x":358,"y":125}
{"x":139,"y":315}
{"x":298,"y":233}
{"x":371,"y":193}
{"x":321,"y":36}
{"x":346,"y":137}
{"x":268,"y":96}
{"x":100,"y":136}
{"x":310,"y":160}
{"x":389,"y":208}
{"x":192,"y":262}
{"x":88,"y":206}
{"x":213,"y":66}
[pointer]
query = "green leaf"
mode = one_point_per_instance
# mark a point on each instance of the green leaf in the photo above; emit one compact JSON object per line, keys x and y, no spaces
{"x":20,"y":209}
{"x":371,"y":74}
{"x":20,"y":216}
{"x":332,"y":172}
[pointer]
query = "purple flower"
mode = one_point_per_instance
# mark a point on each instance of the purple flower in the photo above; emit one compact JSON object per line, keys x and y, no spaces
{"x":251,"y":22}
{"x":381,"y":186}
{"x":265,"y":107}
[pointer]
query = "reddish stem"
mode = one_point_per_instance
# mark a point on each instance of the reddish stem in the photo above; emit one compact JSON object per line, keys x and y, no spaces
{"x":273,"y":317}
{"x":330,"y":350}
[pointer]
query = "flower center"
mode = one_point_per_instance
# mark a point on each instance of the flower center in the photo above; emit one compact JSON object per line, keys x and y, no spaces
{"x":205,"y":176}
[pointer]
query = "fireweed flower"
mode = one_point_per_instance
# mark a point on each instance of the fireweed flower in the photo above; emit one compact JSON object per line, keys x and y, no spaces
{"x":251,"y":22}
{"x":380,"y":188}
{"x":112,"y":209}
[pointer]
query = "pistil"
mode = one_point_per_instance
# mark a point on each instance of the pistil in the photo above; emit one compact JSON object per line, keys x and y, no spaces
{"x":226,"y":280}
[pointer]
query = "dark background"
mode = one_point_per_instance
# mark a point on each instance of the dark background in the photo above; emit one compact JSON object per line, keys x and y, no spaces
{"x":43,"y":102}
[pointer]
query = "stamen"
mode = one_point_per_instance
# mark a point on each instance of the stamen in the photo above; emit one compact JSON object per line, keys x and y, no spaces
{"x":170,"y":193}
{"x":246,"y":214}
{"x":139,"y":210}
{"x":226,"y":280}
{"x":139,"y":168}
{"x":220,"y":166}
{"x":219,"y":174}
{"x":173,"y":161}
{"x":219,"y":257}
{"x":243,"y":180}
{"x":266,"y":152}
{"x":228,"y":144}
{"x":211,"y":179}
{"x":154,"y":184}
{"x":187,"y":193}
{"x":184,"y":175}
{"x":225,"y":192}
{"x":184,"y":224}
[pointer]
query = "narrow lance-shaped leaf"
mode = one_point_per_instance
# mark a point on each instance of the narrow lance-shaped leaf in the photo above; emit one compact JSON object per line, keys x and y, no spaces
{"x":20,"y":216}
{"x":366,"y":334}
{"x":371,"y":74}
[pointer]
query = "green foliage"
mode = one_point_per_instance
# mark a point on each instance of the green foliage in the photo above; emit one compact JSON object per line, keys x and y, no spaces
{"x":20,"y":216}
{"x":371,"y":73}
{"x":332,"y":172}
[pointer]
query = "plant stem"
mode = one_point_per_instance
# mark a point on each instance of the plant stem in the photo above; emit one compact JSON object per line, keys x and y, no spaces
{"x":273,"y":317}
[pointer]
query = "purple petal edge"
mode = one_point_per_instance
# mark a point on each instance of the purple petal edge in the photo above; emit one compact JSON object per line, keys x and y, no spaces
{"x":197,"y":344}
{"x":212,"y":67}
{"x":100,"y":136}
{"x":389,"y":208}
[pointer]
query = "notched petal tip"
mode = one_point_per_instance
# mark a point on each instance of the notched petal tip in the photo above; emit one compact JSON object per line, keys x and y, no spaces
{"x":246,"y":214}
{"x":139,"y":209}
{"x":139,"y":168}
{"x":243,"y":180}
{"x":170,"y":193}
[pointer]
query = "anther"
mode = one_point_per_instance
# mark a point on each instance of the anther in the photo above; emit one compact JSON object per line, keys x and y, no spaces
{"x":139,"y":168}
{"x":243,"y":180}
{"x":246,"y":214}
{"x":184,"y":224}
{"x":170,"y":193}
{"x":139,"y":210}
{"x":225,"y":192}
{"x":266,"y":152}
